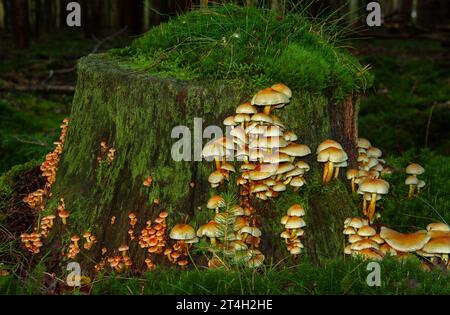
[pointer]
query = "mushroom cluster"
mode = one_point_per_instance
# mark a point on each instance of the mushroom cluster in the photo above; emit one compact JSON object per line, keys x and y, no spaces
{"x":62,"y":211}
{"x":293,"y":224}
{"x":32,"y":242}
{"x":333,"y":156}
{"x":46,"y":224}
{"x":90,"y":240}
{"x":133,"y":221}
{"x":414,"y":183}
{"x":367,"y":177}
{"x":74,"y":248}
{"x":106,"y":151}
{"x":184,"y":235}
{"x":48,"y":170}
{"x":363,"y":240}
{"x":231,"y":237}
{"x":259,"y":139}
{"x":153,"y":237}
{"x":148,"y":181}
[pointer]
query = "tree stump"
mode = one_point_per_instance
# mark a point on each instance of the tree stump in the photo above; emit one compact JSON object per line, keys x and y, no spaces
{"x":135,"y":114}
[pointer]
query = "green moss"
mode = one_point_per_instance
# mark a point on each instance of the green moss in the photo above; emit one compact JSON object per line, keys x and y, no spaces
{"x":246,"y":44}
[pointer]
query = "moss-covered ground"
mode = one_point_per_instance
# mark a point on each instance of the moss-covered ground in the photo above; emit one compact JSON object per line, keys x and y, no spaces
{"x":411,"y":80}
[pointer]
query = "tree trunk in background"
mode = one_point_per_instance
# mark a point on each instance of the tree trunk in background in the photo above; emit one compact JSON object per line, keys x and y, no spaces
{"x":204,"y":4}
{"x":38,"y":18}
{"x":405,"y":11}
{"x":431,"y":13}
{"x":2,"y":16}
{"x":156,"y":9}
{"x":135,"y":114}
{"x":21,"y":23}
{"x":133,"y":16}
{"x":250,"y":3}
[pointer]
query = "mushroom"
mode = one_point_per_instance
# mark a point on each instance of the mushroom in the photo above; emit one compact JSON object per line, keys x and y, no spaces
{"x":405,"y":242}
{"x":210,"y":230}
{"x":269,"y":98}
{"x":329,"y":156}
{"x":123,"y":249}
{"x":215,"y":202}
{"x":352,"y":174}
{"x":375,"y":187}
{"x":64,"y":214}
{"x":411,"y":181}
{"x":182,"y":233}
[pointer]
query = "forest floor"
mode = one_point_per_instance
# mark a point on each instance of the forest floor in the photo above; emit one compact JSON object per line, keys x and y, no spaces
{"x":406,"y":114}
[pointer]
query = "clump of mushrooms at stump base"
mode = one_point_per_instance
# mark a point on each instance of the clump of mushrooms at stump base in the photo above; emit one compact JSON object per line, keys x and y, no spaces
{"x":293,"y":224}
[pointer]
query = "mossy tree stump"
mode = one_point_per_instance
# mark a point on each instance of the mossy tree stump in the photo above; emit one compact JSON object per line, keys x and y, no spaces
{"x":135,"y":113}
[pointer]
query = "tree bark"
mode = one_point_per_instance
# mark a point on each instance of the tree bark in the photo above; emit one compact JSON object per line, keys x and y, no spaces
{"x":135,"y":114}
{"x":21,"y":24}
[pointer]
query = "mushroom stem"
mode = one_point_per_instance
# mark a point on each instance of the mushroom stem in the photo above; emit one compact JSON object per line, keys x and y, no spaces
{"x":371,"y":210}
{"x":411,"y":191}
{"x":364,"y":207}
{"x":325,"y":172}
{"x":64,"y":221}
{"x":213,"y":241}
{"x":336,"y":173}
{"x":267,"y":110}
{"x":353,"y":185}
{"x":330,"y":172}
{"x":216,"y":159}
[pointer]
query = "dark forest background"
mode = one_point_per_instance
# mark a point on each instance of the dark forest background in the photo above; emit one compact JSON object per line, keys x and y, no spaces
{"x":30,"y":19}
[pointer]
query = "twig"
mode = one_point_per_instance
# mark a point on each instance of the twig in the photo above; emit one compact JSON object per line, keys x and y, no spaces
{"x":108,"y":38}
{"x":427,"y":133}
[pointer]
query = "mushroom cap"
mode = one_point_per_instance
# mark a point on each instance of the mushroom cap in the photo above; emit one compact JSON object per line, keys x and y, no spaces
{"x":240,"y":118}
{"x":366,"y":231}
{"x":63,"y":214}
{"x":75,"y":238}
{"x":327,"y":144}
{"x":123,"y":248}
{"x":268,"y":142}
{"x":273,"y":131}
{"x":227,"y":167}
{"x":210,"y":229}
{"x":356,"y":223}
{"x":349,"y":231}
{"x":280,"y":87}
{"x":296,"y":210}
{"x":229,"y":121}
{"x":285,"y":234}
{"x":246,"y":108}
{"x":261,"y":117}
{"x":295,"y":250}
{"x":268,"y":97}
{"x":405,"y":242}
{"x":294,"y":223}
{"x":259,"y":175}
{"x":192,"y":240}
{"x":215,"y":201}
{"x":364,"y":143}
{"x":284,"y":219}
{"x":182,"y":232}
{"x":295,"y":172}
{"x":374,"y":152}
{"x":374,"y":186}
{"x":439,"y":245}
{"x":290,"y":136}
{"x":438,"y":226}
{"x":216,"y":177}
{"x":284,"y":168}
{"x":213,"y":149}
{"x":377,"y":238}
{"x":296,"y":149}
{"x":87,"y":234}
{"x":297,"y":181}
{"x":277,"y":157}
{"x":277,"y":121}
{"x":302,"y":165}
{"x":411,"y":180}
{"x":254,"y":231}
{"x":332,"y":154}
{"x":354,"y":238}
{"x":351,"y":173}
{"x":369,"y":253}
{"x":239,"y":223}
{"x":414,"y":169}
{"x":421,"y":183}
{"x":363,"y":244}
{"x":279,"y":187}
